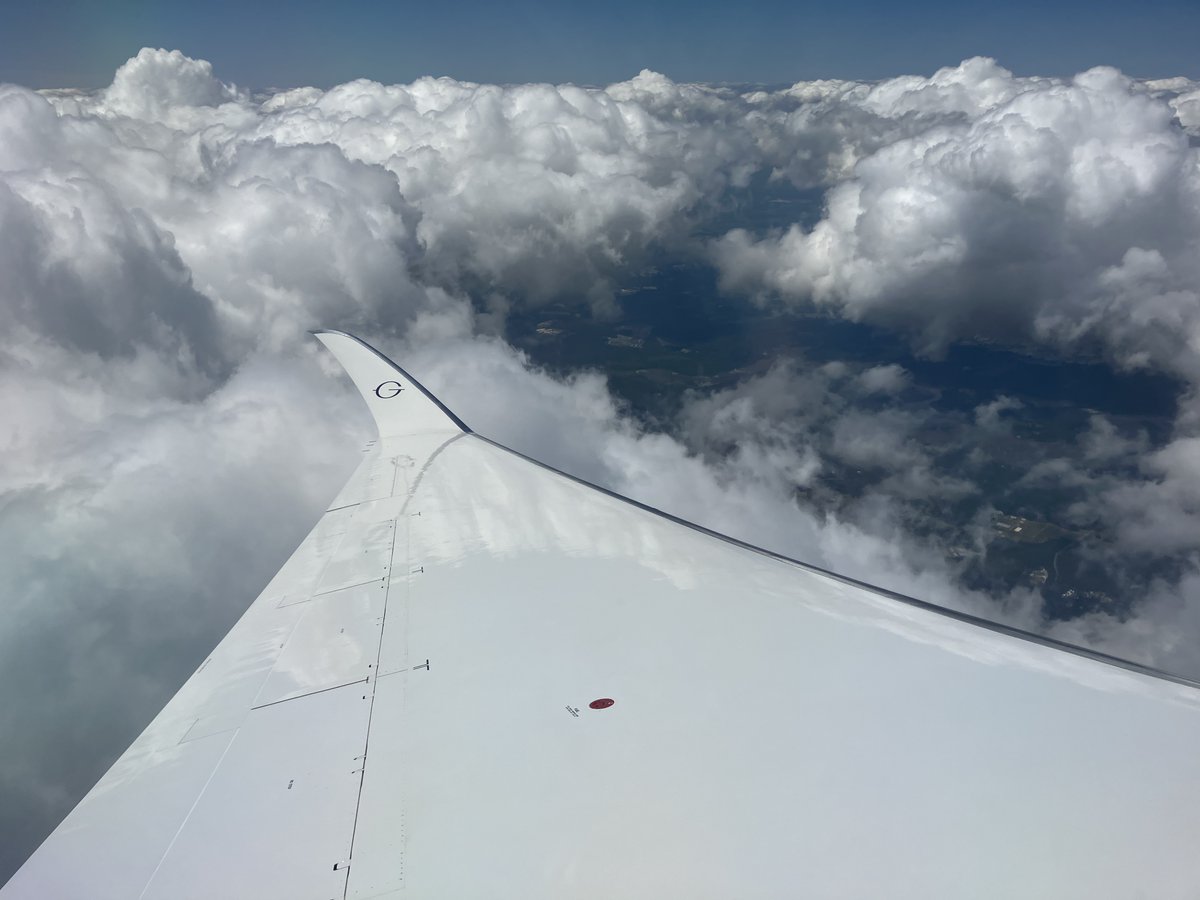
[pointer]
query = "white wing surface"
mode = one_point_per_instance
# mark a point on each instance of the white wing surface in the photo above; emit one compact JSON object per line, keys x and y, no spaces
{"x":407,"y":711}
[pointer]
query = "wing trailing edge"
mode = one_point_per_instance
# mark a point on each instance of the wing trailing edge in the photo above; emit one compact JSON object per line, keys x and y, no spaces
{"x":398,"y":402}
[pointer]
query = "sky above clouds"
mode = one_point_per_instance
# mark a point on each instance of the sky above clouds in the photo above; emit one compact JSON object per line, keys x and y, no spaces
{"x":167,"y":240}
{"x":277,"y":44}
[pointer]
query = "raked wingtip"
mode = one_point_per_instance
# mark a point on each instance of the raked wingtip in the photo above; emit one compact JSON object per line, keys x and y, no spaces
{"x":398,"y":402}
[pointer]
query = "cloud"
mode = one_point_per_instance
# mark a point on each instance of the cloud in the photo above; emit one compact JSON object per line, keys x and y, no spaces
{"x":1023,"y":209}
{"x":1159,"y":515}
{"x":988,"y":415}
{"x":158,"y":82}
{"x":535,"y":190}
{"x":889,"y":379}
{"x":170,"y":431}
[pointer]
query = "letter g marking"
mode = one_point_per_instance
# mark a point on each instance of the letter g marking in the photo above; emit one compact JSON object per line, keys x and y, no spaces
{"x":388,"y":390}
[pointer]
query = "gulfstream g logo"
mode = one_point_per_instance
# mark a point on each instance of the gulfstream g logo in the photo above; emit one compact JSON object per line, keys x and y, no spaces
{"x":388,"y":390}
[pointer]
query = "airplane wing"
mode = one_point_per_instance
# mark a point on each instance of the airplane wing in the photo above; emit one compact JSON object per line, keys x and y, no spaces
{"x":481,"y":678}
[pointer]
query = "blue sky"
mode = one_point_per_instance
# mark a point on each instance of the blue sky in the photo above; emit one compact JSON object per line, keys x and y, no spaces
{"x":80,"y":44}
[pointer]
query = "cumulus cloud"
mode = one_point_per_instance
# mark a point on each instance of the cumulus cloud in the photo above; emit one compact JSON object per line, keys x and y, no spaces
{"x":166,"y":242}
{"x":889,"y":379}
{"x":158,"y":82}
{"x":1025,"y":209}
{"x":989,"y":415}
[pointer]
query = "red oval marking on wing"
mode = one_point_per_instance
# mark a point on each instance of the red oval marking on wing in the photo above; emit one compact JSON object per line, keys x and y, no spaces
{"x":602,"y":703}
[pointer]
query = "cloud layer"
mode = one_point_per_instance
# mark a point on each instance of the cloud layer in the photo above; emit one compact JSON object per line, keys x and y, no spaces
{"x":1025,"y":209}
{"x":170,"y":432}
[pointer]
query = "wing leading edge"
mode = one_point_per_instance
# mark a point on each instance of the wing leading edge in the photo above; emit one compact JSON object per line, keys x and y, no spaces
{"x":407,"y":710}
